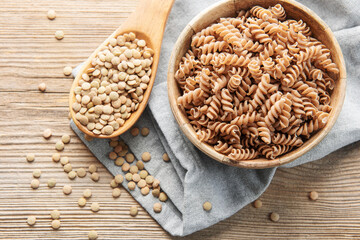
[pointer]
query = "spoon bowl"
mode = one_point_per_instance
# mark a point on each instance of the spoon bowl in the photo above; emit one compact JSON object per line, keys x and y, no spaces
{"x":148,"y":23}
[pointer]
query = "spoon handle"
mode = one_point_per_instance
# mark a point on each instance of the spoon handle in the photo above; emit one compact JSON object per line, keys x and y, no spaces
{"x":149,"y":18}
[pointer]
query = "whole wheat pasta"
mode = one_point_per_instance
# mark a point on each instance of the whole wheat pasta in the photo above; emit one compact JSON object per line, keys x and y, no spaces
{"x":256,"y":85}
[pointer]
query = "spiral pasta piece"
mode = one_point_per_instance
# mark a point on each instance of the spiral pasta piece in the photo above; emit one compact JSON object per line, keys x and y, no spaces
{"x":284,"y":139}
{"x":205,"y":135}
{"x":242,"y":154}
{"x":191,"y":98}
{"x":258,"y":33}
{"x":224,"y":128}
{"x":198,"y":41}
{"x":261,"y":91}
{"x":284,"y":117}
{"x":228,"y":32}
{"x":246,"y":119}
{"x":278,"y":12}
{"x":264,"y":132}
{"x":214,"y":109}
{"x":226,"y":101}
{"x":261,"y":13}
{"x":223,"y":147}
{"x":213,"y":47}
{"x":233,"y":60}
{"x":234,"y":83}
{"x":274,"y":112}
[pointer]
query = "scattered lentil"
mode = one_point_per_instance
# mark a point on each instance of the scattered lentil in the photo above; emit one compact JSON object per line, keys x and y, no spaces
{"x":87,"y":193}
{"x":59,"y":35}
{"x":119,"y":179}
{"x":67,"y":70}
{"x":116,"y":192}
{"x":131,"y":185}
{"x":149,"y":179}
{"x":72,"y":175}
{"x":274,"y":217}
{"x":135,"y":131}
{"x":55,"y":224}
{"x":165,"y":157}
{"x":95,"y":207}
{"x":36,"y":173}
{"x":55,"y":214}
{"x":82,"y":202}
{"x":140,"y":165}
{"x":145,"y":131}
{"x":65,"y":138}
{"x":125,"y":167}
{"x":92,"y":235}
{"x":47,"y":133}
{"x":35,"y":184}
{"x":145,"y":191}
{"x":113,"y":155}
{"x":67,"y":168}
{"x":64,"y":160}
{"x":257,"y":203}
{"x":67,"y":189}
{"x":113,"y":184}
{"x":30,"y":157}
{"x":31,"y":220}
{"x":42,"y":87}
{"x":143,"y":174}
{"x":51,"y":14}
{"x":128,"y":176}
{"x":114,"y":144}
{"x":56,"y":157}
{"x":206,"y":206}
{"x":156,"y":192}
{"x":134,"y":169}
{"x":51,"y":183}
{"x":146,"y":156}
{"x":133,"y":211}
{"x":95,"y":176}
{"x":92,"y":168}
{"x":156,"y":183}
{"x":136,"y":177}
{"x":141,"y":183}
{"x":119,"y":161}
{"x":163,"y":197}
{"x":130,"y":157}
{"x":59,"y":146}
{"x":157,"y":207}
{"x":313,"y":195}
{"x":118,"y":148}
{"x":81,"y":172}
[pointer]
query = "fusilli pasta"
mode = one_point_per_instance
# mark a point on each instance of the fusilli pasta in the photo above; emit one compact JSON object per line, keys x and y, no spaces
{"x":256,"y":85}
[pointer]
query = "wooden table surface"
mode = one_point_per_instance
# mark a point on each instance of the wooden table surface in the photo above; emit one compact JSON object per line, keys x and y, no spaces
{"x":29,"y":55}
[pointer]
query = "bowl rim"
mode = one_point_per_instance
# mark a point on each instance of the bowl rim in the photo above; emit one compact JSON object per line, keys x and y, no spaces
{"x":259,"y":163}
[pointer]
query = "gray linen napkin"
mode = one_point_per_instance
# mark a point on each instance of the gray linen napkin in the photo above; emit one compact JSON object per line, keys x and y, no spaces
{"x":191,"y":178}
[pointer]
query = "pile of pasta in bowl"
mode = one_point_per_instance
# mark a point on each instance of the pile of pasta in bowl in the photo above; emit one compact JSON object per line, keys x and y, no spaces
{"x":256,"y":85}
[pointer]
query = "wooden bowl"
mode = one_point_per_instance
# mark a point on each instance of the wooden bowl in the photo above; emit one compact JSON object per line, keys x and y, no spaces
{"x":229,"y":8}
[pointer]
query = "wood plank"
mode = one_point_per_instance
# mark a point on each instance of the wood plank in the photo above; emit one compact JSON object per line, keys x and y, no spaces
{"x":30,"y":55}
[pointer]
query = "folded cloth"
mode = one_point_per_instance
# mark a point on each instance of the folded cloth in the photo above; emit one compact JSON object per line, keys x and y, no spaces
{"x":191,"y":178}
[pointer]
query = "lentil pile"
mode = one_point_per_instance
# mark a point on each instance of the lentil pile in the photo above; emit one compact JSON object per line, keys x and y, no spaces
{"x":135,"y":173}
{"x":113,"y":87}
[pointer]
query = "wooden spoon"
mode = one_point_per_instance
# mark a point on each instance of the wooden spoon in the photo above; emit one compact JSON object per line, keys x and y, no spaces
{"x":148,"y":23}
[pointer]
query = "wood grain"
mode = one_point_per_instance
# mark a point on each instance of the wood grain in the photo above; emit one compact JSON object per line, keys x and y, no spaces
{"x":30,"y":55}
